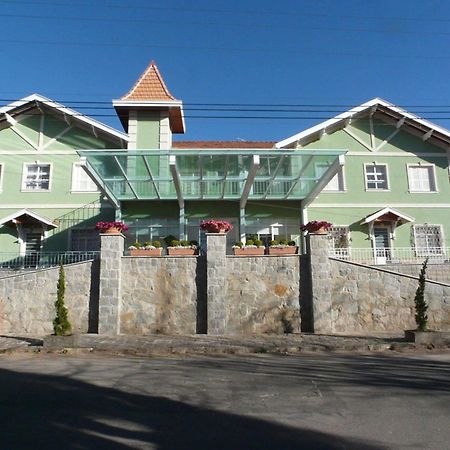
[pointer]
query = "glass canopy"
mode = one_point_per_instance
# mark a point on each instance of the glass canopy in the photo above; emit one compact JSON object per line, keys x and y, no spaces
{"x":197,"y":174}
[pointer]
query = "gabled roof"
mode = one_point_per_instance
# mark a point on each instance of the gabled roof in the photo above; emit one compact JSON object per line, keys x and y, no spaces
{"x":29,"y":102}
{"x":149,"y":87}
{"x":16,"y":218}
{"x":377,"y":104}
{"x":388,"y":214}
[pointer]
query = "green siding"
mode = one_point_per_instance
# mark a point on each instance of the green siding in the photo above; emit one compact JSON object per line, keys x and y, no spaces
{"x":351,"y":214}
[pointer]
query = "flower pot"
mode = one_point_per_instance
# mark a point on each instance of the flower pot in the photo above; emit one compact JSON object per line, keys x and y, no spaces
{"x":291,"y":250}
{"x":146,"y":252}
{"x":112,"y":230}
{"x":252,"y":251}
{"x":181,"y":251}
{"x":319,"y":231}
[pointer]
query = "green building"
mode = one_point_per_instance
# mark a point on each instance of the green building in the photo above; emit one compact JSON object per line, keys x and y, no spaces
{"x":391,"y":201}
{"x":377,"y":172}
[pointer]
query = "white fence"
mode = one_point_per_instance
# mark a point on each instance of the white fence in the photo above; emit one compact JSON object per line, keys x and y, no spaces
{"x":401,"y":255}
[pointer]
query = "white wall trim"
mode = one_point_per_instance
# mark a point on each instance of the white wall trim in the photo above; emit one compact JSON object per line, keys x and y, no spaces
{"x":401,"y":154}
{"x":53,"y":205}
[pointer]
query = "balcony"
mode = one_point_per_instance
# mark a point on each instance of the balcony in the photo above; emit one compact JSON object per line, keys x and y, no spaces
{"x":400,"y":255}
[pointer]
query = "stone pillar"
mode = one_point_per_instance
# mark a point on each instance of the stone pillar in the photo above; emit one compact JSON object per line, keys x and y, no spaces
{"x":216,"y":245}
{"x":320,"y":267}
{"x":111,"y":252}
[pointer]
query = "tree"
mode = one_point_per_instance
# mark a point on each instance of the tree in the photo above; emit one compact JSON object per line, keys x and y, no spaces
{"x":61,"y":324}
{"x":419,"y":300}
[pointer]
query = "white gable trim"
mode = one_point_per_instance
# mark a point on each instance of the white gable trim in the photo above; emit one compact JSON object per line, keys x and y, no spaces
{"x":341,"y":121}
{"x":27,"y":212}
{"x":66,"y":111}
{"x":384,"y":211}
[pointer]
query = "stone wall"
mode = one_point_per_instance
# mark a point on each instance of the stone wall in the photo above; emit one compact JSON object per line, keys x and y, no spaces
{"x":162,"y":295}
{"x":366,"y":299}
{"x":27,"y":300}
{"x":435,"y":272}
{"x":262,"y":294}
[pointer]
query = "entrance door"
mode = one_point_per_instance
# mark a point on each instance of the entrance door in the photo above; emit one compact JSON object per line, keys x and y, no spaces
{"x":33,"y":244}
{"x":382,"y":248}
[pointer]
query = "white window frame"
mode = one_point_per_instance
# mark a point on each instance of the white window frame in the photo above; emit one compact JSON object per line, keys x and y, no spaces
{"x":2,"y":175}
{"x":72,"y":187}
{"x":433,"y":181}
{"x":366,"y":181}
{"x":25,"y":173}
{"x":340,"y":177}
{"x":346,"y":251}
{"x":419,"y":250}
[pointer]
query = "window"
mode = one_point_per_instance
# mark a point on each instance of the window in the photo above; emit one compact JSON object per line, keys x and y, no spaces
{"x":339,"y":237}
{"x":81,"y":181}
{"x":376,"y":177}
{"x":336,"y":184}
{"x":36,"y":177}
{"x":84,"y":240}
{"x":428,"y":240}
{"x":421,"y":178}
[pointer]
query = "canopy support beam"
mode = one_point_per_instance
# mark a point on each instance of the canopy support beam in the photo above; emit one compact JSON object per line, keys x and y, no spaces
{"x":249,"y":181}
{"x":294,"y":184}
{"x":326,"y":178}
{"x":124,"y":173}
{"x":275,"y":173}
{"x":180,"y":198}
{"x":94,"y":176}
{"x":149,"y":170}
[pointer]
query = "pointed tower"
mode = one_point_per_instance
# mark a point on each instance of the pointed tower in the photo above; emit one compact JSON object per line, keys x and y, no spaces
{"x":149,"y":112}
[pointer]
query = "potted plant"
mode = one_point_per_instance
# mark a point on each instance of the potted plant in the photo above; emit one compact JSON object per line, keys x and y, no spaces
{"x":182,"y":248}
{"x":253,"y":247}
{"x":111,"y":227}
{"x":282,"y":247}
{"x":316,"y":227}
{"x":147,"y":249}
{"x":216,"y":226}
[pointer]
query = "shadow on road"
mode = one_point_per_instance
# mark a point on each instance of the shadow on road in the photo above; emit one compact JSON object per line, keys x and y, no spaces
{"x":57,"y":412}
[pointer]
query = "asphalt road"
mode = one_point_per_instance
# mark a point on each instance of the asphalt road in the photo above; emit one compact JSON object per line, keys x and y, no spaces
{"x":260,"y":402}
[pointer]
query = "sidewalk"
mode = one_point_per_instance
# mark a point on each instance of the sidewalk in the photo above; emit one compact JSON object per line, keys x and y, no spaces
{"x":206,"y":344}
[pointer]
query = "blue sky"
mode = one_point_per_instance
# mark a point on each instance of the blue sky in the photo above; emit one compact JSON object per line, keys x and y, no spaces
{"x":318,"y":52}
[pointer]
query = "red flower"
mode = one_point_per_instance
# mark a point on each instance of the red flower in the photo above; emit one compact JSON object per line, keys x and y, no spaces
{"x":216,"y":226}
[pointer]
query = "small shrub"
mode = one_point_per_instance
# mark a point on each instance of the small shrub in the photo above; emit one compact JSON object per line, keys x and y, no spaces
{"x":137,"y":244}
{"x":250,"y":242}
{"x":419,"y":300}
{"x":175,"y":243}
{"x":147,"y":244}
{"x":258,"y":242}
{"x":292,"y":244}
{"x":61,"y":324}
{"x":274,"y":242}
{"x":193,"y":243}
{"x":239,"y":244}
{"x":157,"y":244}
{"x":168,"y":239}
{"x":284,"y":242}
{"x":185,"y":243}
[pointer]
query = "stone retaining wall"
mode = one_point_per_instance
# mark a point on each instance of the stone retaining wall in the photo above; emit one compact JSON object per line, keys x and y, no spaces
{"x":162,"y":295}
{"x":262,"y":294}
{"x":27,"y":301}
{"x":366,"y":299}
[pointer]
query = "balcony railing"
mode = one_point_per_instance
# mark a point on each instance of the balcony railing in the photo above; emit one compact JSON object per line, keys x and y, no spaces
{"x":401,"y":255}
{"x":39,"y":260}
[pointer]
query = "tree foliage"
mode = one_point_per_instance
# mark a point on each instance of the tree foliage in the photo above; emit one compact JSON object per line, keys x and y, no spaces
{"x":61,"y":324}
{"x":419,"y":300}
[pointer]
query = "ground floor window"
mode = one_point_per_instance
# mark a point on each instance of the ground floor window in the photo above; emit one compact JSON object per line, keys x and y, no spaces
{"x":428,"y":240}
{"x":339,"y":237}
{"x":84,"y":240}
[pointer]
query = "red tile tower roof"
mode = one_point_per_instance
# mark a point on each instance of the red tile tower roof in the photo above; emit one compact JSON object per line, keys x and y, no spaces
{"x":149,"y":87}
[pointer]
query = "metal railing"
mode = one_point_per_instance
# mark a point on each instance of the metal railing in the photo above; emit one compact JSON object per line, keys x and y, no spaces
{"x":400,"y":255}
{"x":39,"y":260}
